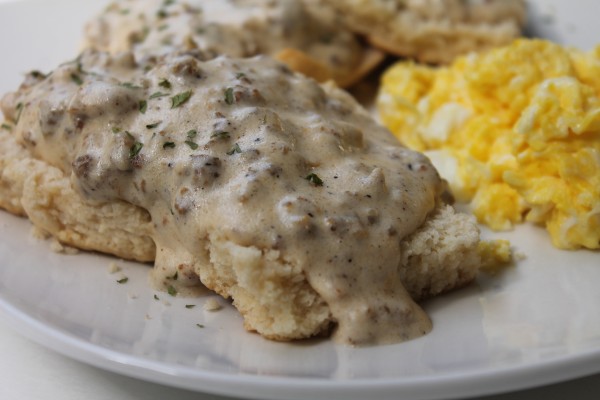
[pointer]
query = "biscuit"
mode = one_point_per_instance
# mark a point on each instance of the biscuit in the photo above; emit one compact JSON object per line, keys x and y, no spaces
{"x":303,"y":210}
{"x":311,"y":41}
{"x":33,"y":188}
{"x":434,"y":31}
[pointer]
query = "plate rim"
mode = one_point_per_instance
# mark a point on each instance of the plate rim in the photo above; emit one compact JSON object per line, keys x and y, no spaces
{"x":445,"y":385}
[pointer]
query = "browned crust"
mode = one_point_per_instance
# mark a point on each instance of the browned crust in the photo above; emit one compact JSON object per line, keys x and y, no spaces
{"x":301,"y":62}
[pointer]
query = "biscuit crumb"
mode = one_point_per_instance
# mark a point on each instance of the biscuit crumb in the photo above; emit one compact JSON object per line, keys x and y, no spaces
{"x":58,"y":247}
{"x":39,"y":233}
{"x":519,"y":256}
{"x":212,"y":305}
{"x":113,"y":267}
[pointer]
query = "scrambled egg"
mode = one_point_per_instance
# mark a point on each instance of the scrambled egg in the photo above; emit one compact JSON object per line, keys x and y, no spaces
{"x":515,"y":131}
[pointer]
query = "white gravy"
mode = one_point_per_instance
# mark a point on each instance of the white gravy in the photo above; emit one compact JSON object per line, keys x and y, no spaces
{"x":269,"y":158}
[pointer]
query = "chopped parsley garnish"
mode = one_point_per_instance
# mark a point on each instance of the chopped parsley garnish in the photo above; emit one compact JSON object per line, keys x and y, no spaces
{"x":156,"y":297}
{"x":140,"y":36}
{"x":192,"y":145}
{"x":240,"y":75}
{"x":38,"y":74}
{"x":123,"y":280}
{"x":154,"y":125}
{"x":171,"y":290}
{"x":200,"y":325}
{"x":189,"y":306}
{"x":143,"y":106}
{"x":129,"y":135}
{"x":164,"y":84}
{"x":19,"y":111}
{"x":116,"y":129}
{"x":229,"y":99}
{"x":167,"y":3}
{"x":129,"y":85}
{"x":162,"y":14}
{"x":162,"y":27}
{"x":192,"y":133}
{"x":220,"y":135}
{"x":7,"y":127}
{"x":169,"y":145}
{"x":77,"y":79}
{"x":175,"y":276}
{"x":180,"y":98}
{"x":135,"y":149}
{"x":314,"y":179}
{"x":235,"y":149}
{"x":156,"y":95}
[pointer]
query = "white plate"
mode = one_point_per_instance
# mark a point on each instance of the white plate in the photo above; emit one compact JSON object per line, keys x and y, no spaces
{"x":537,"y":323}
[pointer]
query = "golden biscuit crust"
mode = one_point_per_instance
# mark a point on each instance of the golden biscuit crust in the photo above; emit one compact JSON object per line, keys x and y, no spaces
{"x":434,"y":31}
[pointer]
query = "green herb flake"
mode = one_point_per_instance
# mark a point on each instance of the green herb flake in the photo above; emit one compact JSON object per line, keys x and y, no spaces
{"x":193,"y":145}
{"x":19,"y":111}
{"x":162,"y":27}
{"x":162,"y":14}
{"x":235,"y":149}
{"x":156,"y":297}
{"x":167,"y":3}
{"x":200,"y":325}
{"x":116,"y":129}
{"x":7,"y":127}
{"x":240,"y":75}
{"x":129,"y":135}
{"x":76,"y":79}
{"x":143,"y":106}
{"x":140,"y":37}
{"x":169,"y":145}
{"x":124,"y":11}
{"x":123,"y":280}
{"x":38,"y":75}
{"x":314,"y":179}
{"x":229,"y":98}
{"x":154,"y":125}
{"x":156,"y":95}
{"x":190,"y":306}
{"x":220,"y":135}
{"x":192,"y":133}
{"x":172,"y":291}
{"x":180,"y":98}
{"x":135,"y":149}
{"x":164,"y":83}
{"x":129,"y":85}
